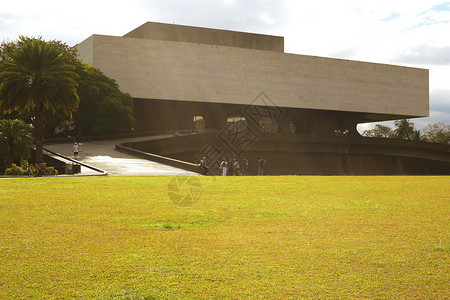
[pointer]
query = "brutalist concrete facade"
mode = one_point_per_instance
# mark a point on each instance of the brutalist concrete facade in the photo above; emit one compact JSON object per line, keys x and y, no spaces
{"x":176,"y":72}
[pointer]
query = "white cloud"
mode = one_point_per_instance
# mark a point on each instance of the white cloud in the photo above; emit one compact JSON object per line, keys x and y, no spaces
{"x":425,"y":54}
{"x":441,"y":101}
{"x":264,"y":16}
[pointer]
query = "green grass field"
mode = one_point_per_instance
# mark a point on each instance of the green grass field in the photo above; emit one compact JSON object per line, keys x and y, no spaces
{"x":226,"y":237}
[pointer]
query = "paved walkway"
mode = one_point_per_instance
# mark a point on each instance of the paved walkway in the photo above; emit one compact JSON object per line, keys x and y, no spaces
{"x":103,"y":155}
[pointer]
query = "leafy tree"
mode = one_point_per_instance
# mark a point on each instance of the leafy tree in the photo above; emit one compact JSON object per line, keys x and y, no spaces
{"x":380,"y":131}
{"x":36,"y":76}
{"x":418,"y":137}
{"x":437,"y":133}
{"x":103,"y":107}
{"x":404,"y":129}
{"x":433,"y":132}
{"x":15,"y":141}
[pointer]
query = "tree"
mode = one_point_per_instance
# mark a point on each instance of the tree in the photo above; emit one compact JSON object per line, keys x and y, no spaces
{"x":36,"y":76}
{"x":434,"y":132}
{"x":404,"y":129}
{"x":418,"y":137}
{"x":380,"y":131}
{"x":103,"y":107}
{"x":437,"y":133}
{"x":15,"y":140}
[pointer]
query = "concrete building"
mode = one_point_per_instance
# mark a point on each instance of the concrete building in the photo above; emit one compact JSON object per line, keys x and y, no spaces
{"x":263,"y":101}
{"x":181,"y":74}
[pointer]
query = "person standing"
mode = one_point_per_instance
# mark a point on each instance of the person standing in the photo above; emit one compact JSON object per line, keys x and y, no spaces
{"x":224,"y":164}
{"x":203,"y":166}
{"x":75,"y":150}
{"x":219,"y":166}
{"x":232,"y":167}
{"x":237,"y":167}
{"x":245,"y":166}
{"x":261,"y":165}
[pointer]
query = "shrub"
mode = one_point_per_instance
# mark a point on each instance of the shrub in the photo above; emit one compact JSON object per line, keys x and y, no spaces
{"x":26,"y":169}
{"x":25,"y":165}
{"x":50,"y":171}
{"x":15,"y":170}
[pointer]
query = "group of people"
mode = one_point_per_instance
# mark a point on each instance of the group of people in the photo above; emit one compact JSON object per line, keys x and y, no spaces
{"x":232,"y":167}
{"x":338,"y":132}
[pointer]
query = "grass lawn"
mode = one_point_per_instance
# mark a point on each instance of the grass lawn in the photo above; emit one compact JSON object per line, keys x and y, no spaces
{"x":225,"y":237}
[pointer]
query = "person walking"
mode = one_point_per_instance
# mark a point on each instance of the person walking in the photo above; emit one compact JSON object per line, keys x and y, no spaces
{"x":233,"y":167}
{"x":245,"y":166}
{"x":219,"y":167}
{"x":261,"y":165}
{"x":203,"y":166}
{"x":230,"y":168}
{"x":75,"y":150}
{"x":237,"y":168}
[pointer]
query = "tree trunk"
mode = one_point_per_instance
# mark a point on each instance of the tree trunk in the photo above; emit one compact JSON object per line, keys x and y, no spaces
{"x":39,"y":132}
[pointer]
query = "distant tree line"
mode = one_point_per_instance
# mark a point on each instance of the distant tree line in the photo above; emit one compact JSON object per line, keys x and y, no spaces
{"x":404,"y":129}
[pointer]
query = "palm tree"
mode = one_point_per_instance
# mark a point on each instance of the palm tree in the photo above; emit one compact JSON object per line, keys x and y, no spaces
{"x":418,"y":136}
{"x":15,"y":140}
{"x":37,"y":76}
{"x":404,"y":129}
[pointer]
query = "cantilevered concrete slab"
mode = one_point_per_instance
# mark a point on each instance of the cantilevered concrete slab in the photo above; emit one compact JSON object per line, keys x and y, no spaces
{"x":164,"y":64}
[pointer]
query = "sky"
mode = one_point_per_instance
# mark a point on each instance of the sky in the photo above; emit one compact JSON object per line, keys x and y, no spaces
{"x":409,"y":33}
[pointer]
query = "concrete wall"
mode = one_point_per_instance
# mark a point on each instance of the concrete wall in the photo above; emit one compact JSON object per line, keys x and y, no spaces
{"x":198,"y":35}
{"x":157,"y":69}
{"x":86,"y":50}
{"x":311,"y":156}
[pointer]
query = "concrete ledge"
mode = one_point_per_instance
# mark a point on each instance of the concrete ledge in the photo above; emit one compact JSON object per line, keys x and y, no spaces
{"x":312,"y":155}
{"x":102,"y":172}
{"x":159,"y":158}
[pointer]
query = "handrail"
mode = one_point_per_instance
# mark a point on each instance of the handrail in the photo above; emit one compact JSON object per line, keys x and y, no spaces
{"x":103,"y":172}
{"x":159,"y":158}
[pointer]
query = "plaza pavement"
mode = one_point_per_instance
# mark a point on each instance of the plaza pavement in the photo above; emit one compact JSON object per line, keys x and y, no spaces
{"x":103,"y":155}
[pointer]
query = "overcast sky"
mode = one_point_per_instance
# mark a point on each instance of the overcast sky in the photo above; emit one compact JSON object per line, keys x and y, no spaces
{"x":402,"y":32}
